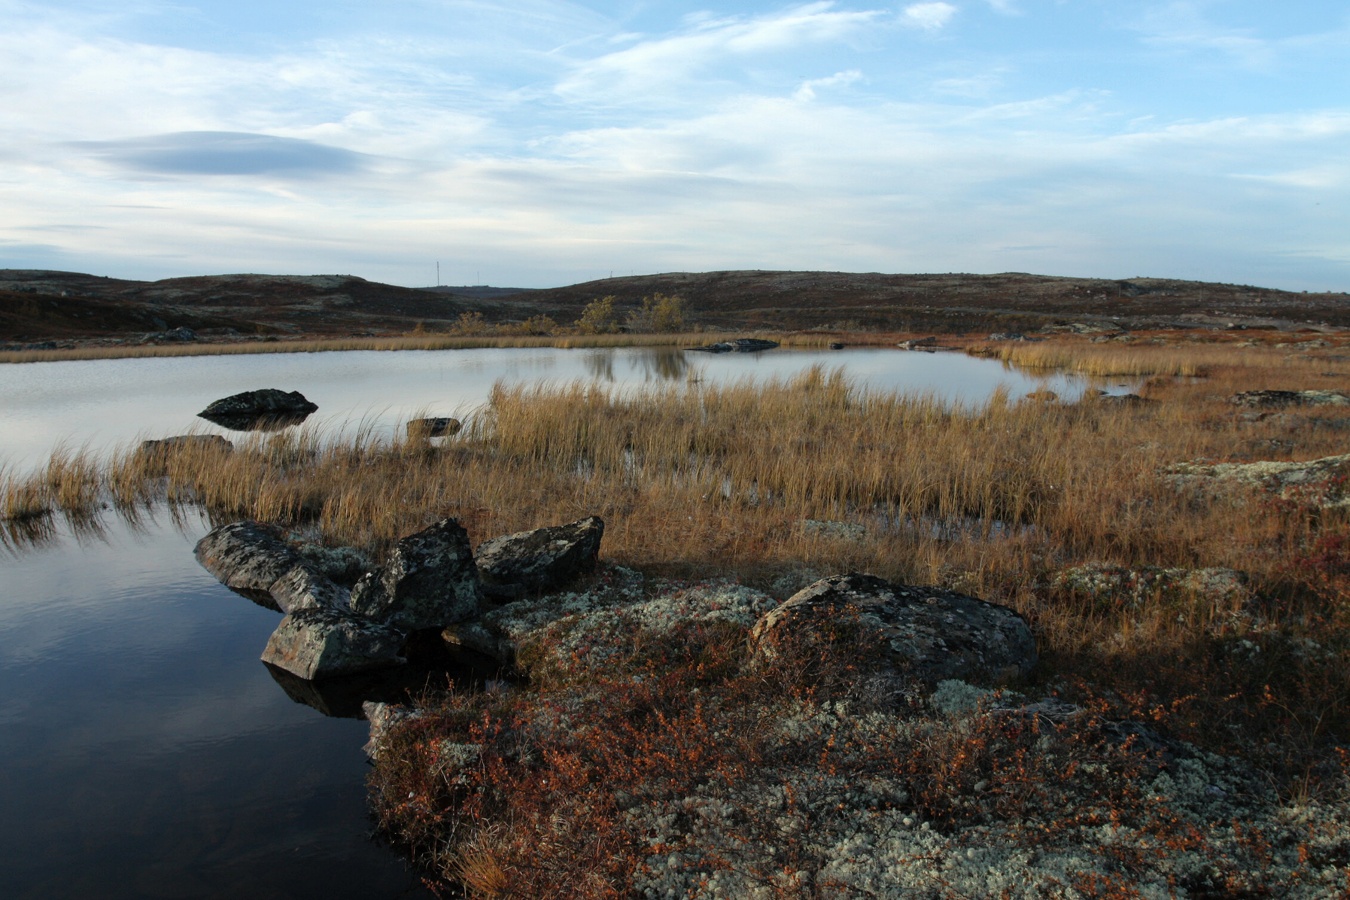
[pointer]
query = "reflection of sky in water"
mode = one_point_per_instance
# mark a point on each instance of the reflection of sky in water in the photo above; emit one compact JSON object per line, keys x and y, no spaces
{"x":108,"y":402}
{"x":146,"y":751}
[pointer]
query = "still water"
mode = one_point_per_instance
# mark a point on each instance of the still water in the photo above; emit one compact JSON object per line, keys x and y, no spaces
{"x":102,"y":403}
{"x":145,"y":751}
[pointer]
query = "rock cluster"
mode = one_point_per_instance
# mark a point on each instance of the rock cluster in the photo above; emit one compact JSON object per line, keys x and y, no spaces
{"x":430,"y":581}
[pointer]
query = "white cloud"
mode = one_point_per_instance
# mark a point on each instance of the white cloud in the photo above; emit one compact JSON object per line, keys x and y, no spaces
{"x":807,"y":90}
{"x":928,"y":16}
{"x":659,"y":61}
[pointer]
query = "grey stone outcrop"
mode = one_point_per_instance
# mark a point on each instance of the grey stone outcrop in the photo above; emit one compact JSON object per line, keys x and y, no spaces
{"x":246,"y":556}
{"x":925,"y":633}
{"x":304,"y":587}
{"x":428,"y":581}
{"x":542,"y":559}
{"x":1268,"y":399}
{"x":322,"y":643}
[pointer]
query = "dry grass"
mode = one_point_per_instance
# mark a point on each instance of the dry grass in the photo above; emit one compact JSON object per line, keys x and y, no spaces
{"x":1174,"y":357}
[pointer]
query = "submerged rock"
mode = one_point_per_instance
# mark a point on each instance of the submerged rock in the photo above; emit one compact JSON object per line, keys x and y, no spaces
{"x":739,"y":345}
{"x":542,"y":559}
{"x":927,"y":633}
{"x":428,"y":581}
{"x":320,"y":643}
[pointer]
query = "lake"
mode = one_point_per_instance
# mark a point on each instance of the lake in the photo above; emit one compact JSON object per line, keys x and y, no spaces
{"x":145,"y":750}
{"x":102,"y":403}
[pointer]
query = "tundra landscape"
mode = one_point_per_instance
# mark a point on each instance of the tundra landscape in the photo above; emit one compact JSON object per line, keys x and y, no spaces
{"x":820,"y":639}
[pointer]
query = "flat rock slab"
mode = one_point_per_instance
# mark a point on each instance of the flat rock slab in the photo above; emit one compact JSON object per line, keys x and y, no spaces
{"x":322,"y":643}
{"x":211,"y":443}
{"x":542,"y":559}
{"x":739,"y":345}
{"x":1315,"y":482}
{"x":429,"y":581}
{"x":927,"y":633}
{"x":1267,"y":399}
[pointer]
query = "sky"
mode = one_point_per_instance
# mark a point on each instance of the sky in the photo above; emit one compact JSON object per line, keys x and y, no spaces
{"x":537,"y":144}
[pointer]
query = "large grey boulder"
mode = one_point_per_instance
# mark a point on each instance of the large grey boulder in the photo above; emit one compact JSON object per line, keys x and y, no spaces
{"x":542,"y":559}
{"x":321,"y":643}
{"x":247,"y":557}
{"x":924,"y":633}
{"x":253,"y":559}
{"x":428,"y":581}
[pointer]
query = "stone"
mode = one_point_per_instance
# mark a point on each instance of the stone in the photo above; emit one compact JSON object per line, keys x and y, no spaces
{"x":1267,"y":399}
{"x":739,"y":345}
{"x":184,"y":442}
{"x":304,"y":587}
{"x":439,"y":426}
{"x":543,"y":559}
{"x":924,"y":633}
{"x":428,"y":581}
{"x":1132,"y":587}
{"x":247,"y":557}
{"x":1315,"y":482}
{"x":322,"y":643}
{"x":926,"y":343}
{"x":264,"y":408}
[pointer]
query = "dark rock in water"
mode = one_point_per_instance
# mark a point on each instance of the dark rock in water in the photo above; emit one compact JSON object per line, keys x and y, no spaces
{"x":1289,"y":398}
{"x":253,"y":559}
{"x":927,"y":343}
{"x":166,"y":446}
{"x":322,"y":643}
{"x":739,"y":345}
{"x":429,"y":581}
{"x":923,"y":633}
{"x":542,"y":559}
{"x":836,"y":345}
{"x":440,"y":426}
{"x":1123,"y":400}
{"x":260,"y":410}
{"x":247,"y":557}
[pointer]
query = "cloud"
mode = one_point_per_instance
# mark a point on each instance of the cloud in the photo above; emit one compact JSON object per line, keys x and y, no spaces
{"x":807,"y":91}
{"x":226,"y":153}
{"x":928,"y":16}
{"x":706,"y":42}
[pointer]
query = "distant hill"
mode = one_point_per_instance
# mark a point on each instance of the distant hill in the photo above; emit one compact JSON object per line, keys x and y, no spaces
{"x":40,"y":305}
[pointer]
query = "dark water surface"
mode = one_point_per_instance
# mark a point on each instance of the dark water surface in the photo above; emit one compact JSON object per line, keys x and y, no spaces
{"x":145,"y":751}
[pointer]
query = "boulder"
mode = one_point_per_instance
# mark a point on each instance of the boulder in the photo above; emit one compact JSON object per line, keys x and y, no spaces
{"x":439,"y":426}
{"x":264,"y":408}
{"x":321,"y":643}
{"x":184,"y":442}
{"x":542,"y":559}
{"x":305,"y":587}
{"x":739,"y":345}
{"x":927,"y":343}
{"x":247,"y":557}
{"x":428,"y":581}
{"x":924,"y":633}
{"x":253,"y":559}
{"x":1267,"y":399}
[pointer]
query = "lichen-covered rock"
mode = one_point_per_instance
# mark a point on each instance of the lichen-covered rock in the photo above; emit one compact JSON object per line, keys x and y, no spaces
{"x":382,"y":717}
{"x":1315,"y":482}
{"x":926,"y":633}
{"x":542,"y":559}
{"x":162,"y":447}
{"x":1268,"y":399}
{"x":428,"y":581}
{"x":321,"y":643}
{"x":1123,"y":586}
{"x":303,"y":587}
{"x":252,"y":410}
{"x":247,"y":557}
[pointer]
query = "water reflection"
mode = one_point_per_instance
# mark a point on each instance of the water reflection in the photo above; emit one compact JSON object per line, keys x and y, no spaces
{"x":270,"y":422}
